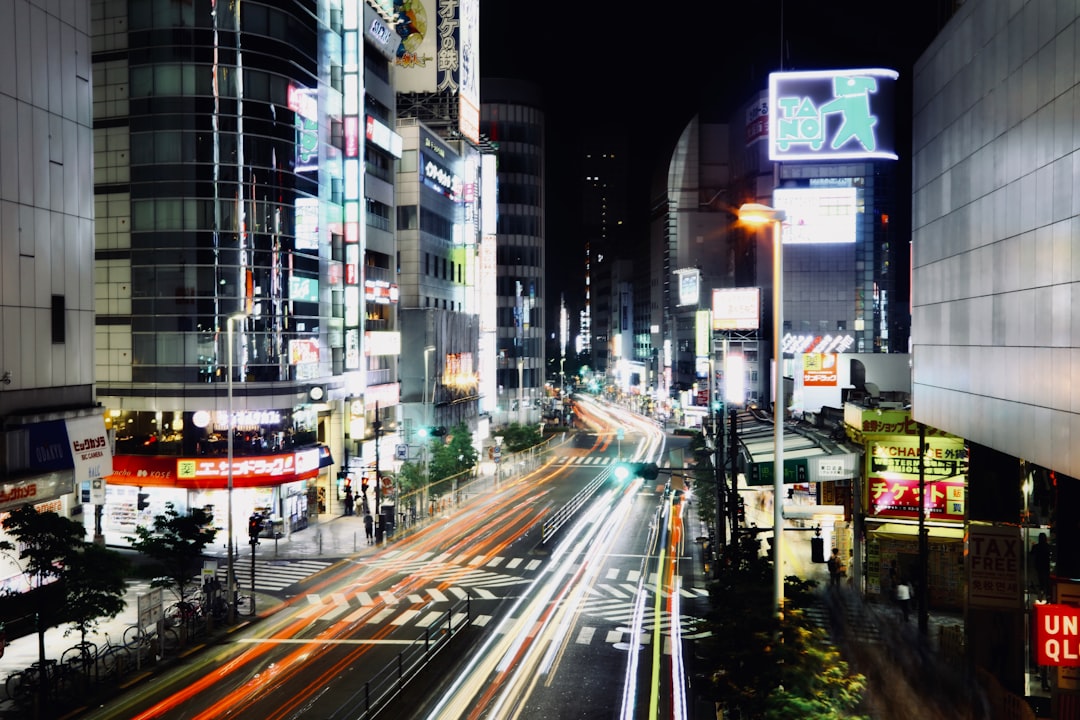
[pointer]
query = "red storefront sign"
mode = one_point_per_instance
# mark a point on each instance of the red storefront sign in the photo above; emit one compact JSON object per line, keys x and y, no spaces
{"x":213,"y":472}
{"x":1057,"y":634}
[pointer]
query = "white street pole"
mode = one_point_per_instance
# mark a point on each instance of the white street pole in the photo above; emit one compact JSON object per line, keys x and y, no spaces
{"x":230,"y":581}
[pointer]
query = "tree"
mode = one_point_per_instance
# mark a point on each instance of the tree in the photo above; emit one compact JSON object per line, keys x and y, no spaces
{"x":52,"y":549}
{"x":411,"y":477}
{"x":176,"y":543}
{"x":518,"y":437}
{"x":769,"y":668}
{"x":454,"y":455}
{"x":95,"y":587}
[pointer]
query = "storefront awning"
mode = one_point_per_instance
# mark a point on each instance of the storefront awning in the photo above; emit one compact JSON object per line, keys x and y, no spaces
{"x":903,"y":531}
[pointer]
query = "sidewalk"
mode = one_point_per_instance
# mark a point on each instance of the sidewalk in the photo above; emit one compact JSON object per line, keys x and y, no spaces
{"x":330,"y":538}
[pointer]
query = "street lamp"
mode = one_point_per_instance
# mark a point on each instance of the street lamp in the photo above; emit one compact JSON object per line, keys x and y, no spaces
{"x":427,"y":423}
{"x":757,"y":214}
{"x":230,"y":422}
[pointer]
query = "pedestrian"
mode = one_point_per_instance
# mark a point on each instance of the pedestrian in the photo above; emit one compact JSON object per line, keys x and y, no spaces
{"x":1040,"y":558}
{"x":833,"y":564}
{"x":368,"y":529}
{"x":903,"y":597}
{"x":348,"y":501}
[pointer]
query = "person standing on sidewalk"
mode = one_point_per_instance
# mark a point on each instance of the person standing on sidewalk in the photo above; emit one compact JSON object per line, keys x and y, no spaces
{"x":368,"y":527}
{"x":903,"y":597}
{"x":833,"y":564}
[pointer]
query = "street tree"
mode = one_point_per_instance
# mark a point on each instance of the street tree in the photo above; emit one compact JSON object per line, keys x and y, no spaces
{"x":453,"y":454}
{"x":176,"y":542}
{"x":518,"y":437}
{"x":52,"y":549}
{"x":95,"y":587}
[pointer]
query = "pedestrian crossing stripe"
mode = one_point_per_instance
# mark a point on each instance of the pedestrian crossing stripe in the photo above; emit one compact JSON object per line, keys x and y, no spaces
{"x":586,"y":460}
{"x":276,"y":575}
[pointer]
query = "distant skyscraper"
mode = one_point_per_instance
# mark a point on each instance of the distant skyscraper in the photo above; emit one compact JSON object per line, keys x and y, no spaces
{"x":512,"y":117}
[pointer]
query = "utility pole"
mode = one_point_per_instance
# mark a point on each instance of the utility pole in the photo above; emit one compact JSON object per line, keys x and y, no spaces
{"x":718,"y":442}
{"x":377,"y":426}
{"x":733,"y":453}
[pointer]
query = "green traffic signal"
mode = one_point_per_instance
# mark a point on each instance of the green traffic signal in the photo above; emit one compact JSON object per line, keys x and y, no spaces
{"x":645,"y":471}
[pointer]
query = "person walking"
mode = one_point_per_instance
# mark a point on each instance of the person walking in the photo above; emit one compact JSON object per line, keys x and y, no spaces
{"x":368,"y":527}
{"x":348,"y":501}
{"x":833,"y":564}
{"x":903,"y":597}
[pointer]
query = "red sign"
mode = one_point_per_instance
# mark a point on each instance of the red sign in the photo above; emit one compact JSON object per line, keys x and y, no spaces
{"x":900,"y":498}
{"x":1057,"y":634}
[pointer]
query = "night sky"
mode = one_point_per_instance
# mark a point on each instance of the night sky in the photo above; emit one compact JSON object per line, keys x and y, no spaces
{"x":647,"y":72}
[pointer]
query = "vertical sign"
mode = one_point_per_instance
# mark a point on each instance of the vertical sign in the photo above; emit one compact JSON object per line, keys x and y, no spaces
{"x":994,"y":566}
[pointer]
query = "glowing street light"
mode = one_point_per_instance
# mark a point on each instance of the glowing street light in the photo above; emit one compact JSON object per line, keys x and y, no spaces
{"x":757,"y":214}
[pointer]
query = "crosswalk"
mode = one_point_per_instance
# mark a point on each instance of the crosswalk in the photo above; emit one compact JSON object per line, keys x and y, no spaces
{"x":274,"y":575}
{"x":476,"y":571}
{"x":584,"y":460}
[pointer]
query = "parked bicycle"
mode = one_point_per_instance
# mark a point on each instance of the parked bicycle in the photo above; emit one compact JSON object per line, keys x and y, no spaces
{"x":24,"y":686}
{"x":146,"y":643}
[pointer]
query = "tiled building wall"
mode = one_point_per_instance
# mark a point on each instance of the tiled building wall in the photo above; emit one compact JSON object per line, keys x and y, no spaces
{"x":996,"y":231}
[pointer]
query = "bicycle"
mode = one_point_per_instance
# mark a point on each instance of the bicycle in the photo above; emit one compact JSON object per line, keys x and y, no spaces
{"x":83,"y":653}
{"x":23,"y":686}
{"x":113,"y":660}
{"x":147,"y":643}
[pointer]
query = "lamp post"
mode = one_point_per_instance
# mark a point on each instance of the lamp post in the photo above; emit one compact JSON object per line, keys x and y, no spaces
{"x":757,"y":214}
{"x":230,"y":581}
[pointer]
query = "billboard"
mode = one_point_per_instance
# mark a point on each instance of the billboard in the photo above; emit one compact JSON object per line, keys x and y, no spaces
{"x":689,"y":282}
{"x":827,"y":115}
{"x":817,"y":215}
{"x":736,"y":309}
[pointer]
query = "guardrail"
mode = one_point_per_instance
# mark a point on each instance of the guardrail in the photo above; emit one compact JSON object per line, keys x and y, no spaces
{"x":553,"y":522}
{"x":389,"y":682}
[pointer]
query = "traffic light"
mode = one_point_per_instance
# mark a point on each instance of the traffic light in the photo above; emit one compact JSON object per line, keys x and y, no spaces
{"x":626,"y":470}
{"x":142,"y":501}
{"x":255,"y":526}
{"x":741,"y":510}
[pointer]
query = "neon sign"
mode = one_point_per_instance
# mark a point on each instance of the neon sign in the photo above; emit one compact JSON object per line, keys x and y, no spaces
{"x":831,"y":115}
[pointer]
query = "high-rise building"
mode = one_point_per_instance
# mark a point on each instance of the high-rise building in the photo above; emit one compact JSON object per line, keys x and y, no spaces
{"x":512,"y":118}
{"x":52,"y":434}
{"x":245,"y":256}
{"x":995,"y":323}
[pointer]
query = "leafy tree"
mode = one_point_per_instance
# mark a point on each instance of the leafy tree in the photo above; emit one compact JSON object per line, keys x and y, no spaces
{"x":411,"y":477}
{"x":518,"y":437}
{"x":454,"y":455}
{"x":95,"y":587}
{"x":52,"y":549}
{"x":176,"y":543}
{"x":770,"y":668}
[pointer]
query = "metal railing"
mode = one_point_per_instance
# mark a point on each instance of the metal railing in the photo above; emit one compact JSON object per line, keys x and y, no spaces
{"x":388,"y":683}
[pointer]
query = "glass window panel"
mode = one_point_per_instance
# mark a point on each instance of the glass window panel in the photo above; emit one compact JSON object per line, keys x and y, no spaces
{"x":142,"y":81}
{"x":167,"y":147}
{"x":168,"y":214}
{"x":166,"y":80}
{"x":142,"y":215}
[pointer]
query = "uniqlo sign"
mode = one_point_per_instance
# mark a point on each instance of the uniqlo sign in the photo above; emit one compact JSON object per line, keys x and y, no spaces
{"x":1057,"y":634}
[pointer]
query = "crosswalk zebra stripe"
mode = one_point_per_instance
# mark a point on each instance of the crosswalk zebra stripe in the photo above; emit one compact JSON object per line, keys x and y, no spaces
{"x":612,"y":573}
{"x":416,"y":599}
{"x":388,"y":597}
{"x":586,"y":635}
{"x":381,"y":615}
{"x":513,"y":563}
{"x":364,"y":599}
{"x":613,"y":591}
{"x":495,"y":562}
{"x":430,"y":619}
{"x":633,"y":576}
{"x":481,"y":620}
{"x":484,"y":594}
{"x":476,"y":560}
{"x":614,"y":636}
{"x":436,"y":595}
{"x":404,"y":617}
{"x":632,"y":588}
{"x":459,"y":593}
{"x":533,"y":564}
